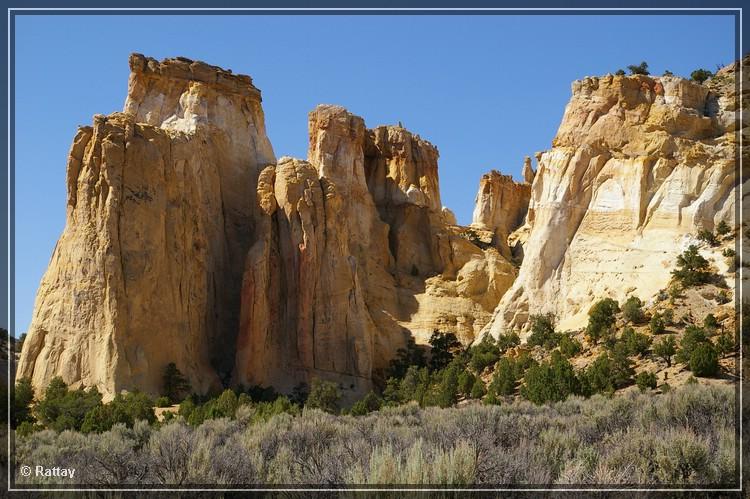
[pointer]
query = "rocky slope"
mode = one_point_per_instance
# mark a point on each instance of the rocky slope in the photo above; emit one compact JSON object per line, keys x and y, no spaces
{"x":638,"y":166}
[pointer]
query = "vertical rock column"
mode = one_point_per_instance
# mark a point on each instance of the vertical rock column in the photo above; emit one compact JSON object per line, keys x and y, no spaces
{"x":160,"y":211}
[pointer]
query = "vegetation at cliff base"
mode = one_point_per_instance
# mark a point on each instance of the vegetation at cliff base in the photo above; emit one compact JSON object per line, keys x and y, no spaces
{"x":684,"y":437}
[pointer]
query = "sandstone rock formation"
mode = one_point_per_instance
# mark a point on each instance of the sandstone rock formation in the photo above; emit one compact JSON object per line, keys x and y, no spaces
{"x":187,"y":242}
{"x":353,"y":255}
{"x":637,"y":165}
{"x":159,"y":216}
{"x":500,"y":206}
{"x":528,"y":172}
{"x":319,"y":244}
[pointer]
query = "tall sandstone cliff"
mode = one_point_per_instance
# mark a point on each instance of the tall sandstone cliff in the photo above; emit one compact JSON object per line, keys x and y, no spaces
{"x":159,"y":213}
{"x":187,"y":242}
{"x":348,"y":257}
{"x":638,"y":166}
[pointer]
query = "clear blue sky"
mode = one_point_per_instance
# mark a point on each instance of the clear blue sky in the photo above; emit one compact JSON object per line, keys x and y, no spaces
{"x":486,"y":90}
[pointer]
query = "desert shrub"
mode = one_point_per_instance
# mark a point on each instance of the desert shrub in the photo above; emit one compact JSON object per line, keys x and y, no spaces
{"x":731,"y":258}
{"x":169,"y":451}
{"x":722,"y":228}
{"x":674,"y":290}
{"x":413,"y":386}
{"x":412,"y":355}
{"x":371,"y":402}
{"x":682,"y":437}
{"x":645,"y":380}
{"x":324,"y":395}
{"x":466,"y":383}
{"x":620,"y":72}
{"x":668,"y":73}
{"x":704,"y":360}
{"x":176,"y":386}
{"x":665,"y":349}
{"x":478,"y":390}
{"x":444,"y":392}
{"x":725,"y":344}
{"x":681,"y":457}
{"x":116,"y":457}
{"x":550,"y":381}
{"x":668,"y":317}
{"x":632,"y":310}
{"x":442,"y":347}
{"x":722,"y":297}
{"x":640,"y":69}
{"x":635,"y":343}
{"x":63,"y":409}
{"x":23,"y":396}
{"x":162,"y":401}
{"x":505,"y":378}
{"x":708,"y":237}
{"x":601,"y":319}
{"x":543,"y":331}
{"x":692,"y":337}
{"x":123,"y":409}
{"x":484,"y":354}
{"x":692,"y":268}
{"x":508,"y":340}
{"x":218,"y":456}
{"x":610,"y":371}
{"x":264,"y":411}
{"x":710,"y":323}
{"x":569,"y":346}
{"x":657,"y":324}
{"x":701,"y":75}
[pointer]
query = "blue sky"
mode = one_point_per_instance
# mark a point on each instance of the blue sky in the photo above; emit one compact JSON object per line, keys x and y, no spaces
{"x":486,"y":90}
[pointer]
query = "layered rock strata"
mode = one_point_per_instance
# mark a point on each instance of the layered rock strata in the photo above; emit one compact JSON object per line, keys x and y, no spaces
{"x":639,"y":164}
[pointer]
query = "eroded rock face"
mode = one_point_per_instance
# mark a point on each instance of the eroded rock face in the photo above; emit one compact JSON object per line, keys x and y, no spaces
{"x":320,"y":248}
{"x":637,"y":165}
{"x":187,"y":242}
{"x":500,"y":207}
{"x":528,"y":172}
{"x":354,"y":254}
{"x":446,"y":280}
{"x":149,"y":266}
